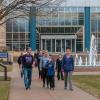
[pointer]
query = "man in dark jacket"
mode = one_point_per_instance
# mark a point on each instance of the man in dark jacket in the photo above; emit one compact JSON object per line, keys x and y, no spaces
{"x":27,"y":62}
{"x":59,"y":68}
{"x":68,"y":67}
{"x":19,"y":61}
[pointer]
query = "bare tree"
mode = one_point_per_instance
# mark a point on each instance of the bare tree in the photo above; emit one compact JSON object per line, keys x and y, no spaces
{"x":8,"y":7}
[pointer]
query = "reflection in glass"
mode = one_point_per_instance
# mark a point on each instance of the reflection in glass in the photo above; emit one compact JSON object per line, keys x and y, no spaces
{"x":63,"y":45}
{"x":58,"y":45}
{"x":68,"y":43}
{"x":53,"y":45}
{"x":43,"y":44}
{"x":48,"y":45}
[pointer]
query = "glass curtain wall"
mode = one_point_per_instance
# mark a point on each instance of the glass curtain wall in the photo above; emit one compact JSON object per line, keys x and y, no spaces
{"x":62,"y":20}
{"x":17,"y":34}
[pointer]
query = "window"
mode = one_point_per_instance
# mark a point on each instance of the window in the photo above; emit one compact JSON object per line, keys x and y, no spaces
{"x":68,"y":19}
{"x":68,"y":43}
{"x":16,"y":46}
{"x":16,"y":36}
{"x":81,"y":18}
{"x":80,"y":9}
{"x":48,"y":45}
{"x":74,"y":10}
{"x":9,"y":46}
{"x":58,"y":45}
{"x":15,"y":25}
{"x":22,"y":47}
{"x":43,"y":44}
{"x":79,"y":45}
{"x":53,"y":45}
{"x":9,"y":26}
{"x":63,"y":45}
{"x":9,"y":36}
{"x":22,"y":36}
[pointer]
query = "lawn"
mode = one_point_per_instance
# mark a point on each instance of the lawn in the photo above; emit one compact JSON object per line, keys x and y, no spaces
{"x":89,"y":83}
{"x":9,"y":68}
{"x":4,"y":88}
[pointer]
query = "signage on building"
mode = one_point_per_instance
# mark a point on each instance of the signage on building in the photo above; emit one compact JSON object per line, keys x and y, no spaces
{"x":58,"y":36}
{"x":3,"y":55}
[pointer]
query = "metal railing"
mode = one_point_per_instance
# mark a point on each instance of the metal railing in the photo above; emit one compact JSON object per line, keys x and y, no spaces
{"x":5,"y":70}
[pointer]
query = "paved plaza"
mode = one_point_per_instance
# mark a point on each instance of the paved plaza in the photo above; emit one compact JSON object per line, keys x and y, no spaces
{"x":36,"y":92}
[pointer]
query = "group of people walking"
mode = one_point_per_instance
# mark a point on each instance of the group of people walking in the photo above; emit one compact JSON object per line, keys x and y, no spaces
{"x":47,"y":67}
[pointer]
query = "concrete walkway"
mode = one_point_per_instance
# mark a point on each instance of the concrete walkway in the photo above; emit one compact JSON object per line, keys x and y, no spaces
{"x":8,"y":74}
{"x":36,"y":92}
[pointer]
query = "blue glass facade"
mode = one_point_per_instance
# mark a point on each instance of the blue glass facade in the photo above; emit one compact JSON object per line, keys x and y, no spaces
{"x":79,"y":21}
{"x":55,"y":29}
{"x":68,"y":21}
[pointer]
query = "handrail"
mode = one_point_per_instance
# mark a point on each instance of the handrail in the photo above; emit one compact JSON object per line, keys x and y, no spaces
{"x":5,"y":70}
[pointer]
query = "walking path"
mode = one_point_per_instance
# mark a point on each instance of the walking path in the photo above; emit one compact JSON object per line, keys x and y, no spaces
{"x":36,"y":92}
{"x":8,"y":74}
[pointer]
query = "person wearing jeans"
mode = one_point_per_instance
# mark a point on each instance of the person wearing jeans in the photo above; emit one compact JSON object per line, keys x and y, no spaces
{"x":27,"y":61}
{"x":44,"y":61}
{"x":59,"y":68}
{"x":27,"y":77}
{"x":68,"y":67}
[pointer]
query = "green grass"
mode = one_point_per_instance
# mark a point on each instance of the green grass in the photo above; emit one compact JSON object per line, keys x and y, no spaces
{"x":4,"y":88}
{"x":9,"y":68}
{"x":89,"y":83}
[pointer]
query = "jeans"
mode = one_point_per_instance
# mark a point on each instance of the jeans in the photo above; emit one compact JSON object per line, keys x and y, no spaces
{"x":27,"y":77}
{"x":68,"y":79}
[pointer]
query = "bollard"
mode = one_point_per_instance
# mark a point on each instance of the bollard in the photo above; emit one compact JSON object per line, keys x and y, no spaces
{"x":5,"y":73}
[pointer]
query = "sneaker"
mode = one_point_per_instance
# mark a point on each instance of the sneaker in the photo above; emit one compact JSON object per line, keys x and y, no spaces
{"x":26,"y":88}
{"x":29,"y":87}
{"x":21,"y":74}
{"x":43,"y":85}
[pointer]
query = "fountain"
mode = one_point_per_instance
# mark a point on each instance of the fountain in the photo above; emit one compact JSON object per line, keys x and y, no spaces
{"x":86,"y":62}
{"x":80,"y":61}
{"x":91,"y":60}
{"x":93,"y":51}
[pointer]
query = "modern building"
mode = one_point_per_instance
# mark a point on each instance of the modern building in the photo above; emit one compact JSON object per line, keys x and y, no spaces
{"x":69,"y":24}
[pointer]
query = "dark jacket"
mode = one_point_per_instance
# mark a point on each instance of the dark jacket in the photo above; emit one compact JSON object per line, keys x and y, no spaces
{"x":58,"y":64}
{"x":68,"y":63}
{"x":19,"y":61}
{"x":27,"y":61}
{"x":50,"y":68}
